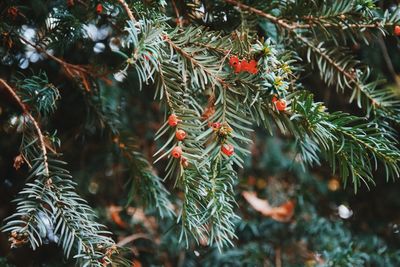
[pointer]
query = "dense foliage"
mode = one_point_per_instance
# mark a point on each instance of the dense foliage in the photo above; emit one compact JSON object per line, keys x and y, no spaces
{"x":162,"y":110}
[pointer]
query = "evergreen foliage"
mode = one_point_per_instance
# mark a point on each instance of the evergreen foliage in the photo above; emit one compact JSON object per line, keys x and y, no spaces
{"x":58,"y":50}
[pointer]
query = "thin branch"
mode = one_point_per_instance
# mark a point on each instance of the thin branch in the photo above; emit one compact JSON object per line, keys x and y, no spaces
{"x":295,"y":25}
{"x":388,"y":61}
{"x":178,"y":17}
{"x":192,"y":60}
{"x":131,"y":238}
{"x":128,"y":11}
{"x":66,"y":65}
{"x":42,"y":143}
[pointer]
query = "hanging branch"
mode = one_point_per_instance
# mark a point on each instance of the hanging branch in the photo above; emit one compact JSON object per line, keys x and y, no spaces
{"x":42,"y":143}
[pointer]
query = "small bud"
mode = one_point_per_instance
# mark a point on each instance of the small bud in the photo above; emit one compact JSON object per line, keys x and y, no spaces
{"x":184,"y":162}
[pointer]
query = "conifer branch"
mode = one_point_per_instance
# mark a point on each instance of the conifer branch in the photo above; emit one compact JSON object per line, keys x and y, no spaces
{"x":42,"y":143}
{"x":193,"y":61}
{"x":290,"y":26}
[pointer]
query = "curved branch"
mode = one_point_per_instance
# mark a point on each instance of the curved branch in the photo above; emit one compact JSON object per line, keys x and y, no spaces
{"x":24,"y":109}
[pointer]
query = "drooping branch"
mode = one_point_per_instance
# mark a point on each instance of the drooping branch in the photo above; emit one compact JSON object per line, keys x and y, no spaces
{"x":24,"y":109}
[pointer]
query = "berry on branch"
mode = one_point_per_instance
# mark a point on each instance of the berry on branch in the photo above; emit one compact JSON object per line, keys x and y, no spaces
{"x":228,"y":149}
{"x":397,"y":30}
{"x":234,"y":61}
{"x":180,"y":135}
{"x":280,"y":105}
{"x":216,"y":125}
{"x":12,"y":12}
{"x":252,"y":67}
{"x":173,"y":120}
{"x":176,"y":152}
{"x":99,"y":8}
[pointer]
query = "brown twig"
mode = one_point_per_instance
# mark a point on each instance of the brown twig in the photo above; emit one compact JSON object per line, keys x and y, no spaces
{"x":178,"y":17}
{"x":128,"y":11}
{"x":71,"y":70}
{"x":388,"y":61}
{"x":131,"y":238}
{"x":278,"y":257}
{"x":66,"y":65}
{"x":24,"y":109}
{"x":295,"y":25}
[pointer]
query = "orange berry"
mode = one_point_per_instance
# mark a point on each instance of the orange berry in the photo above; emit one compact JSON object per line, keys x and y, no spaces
{"x":176,"y":152}
{"x":238,"y":67}
{"x":397,"y":30}
{"x":252,"y":68}
{"x":281,"y":105}
{"x":245,"y":66}
{"x":173,"y":120}
{"x":180,"y":135}
{"x":234,"y":61}
{"x":228,"y":149}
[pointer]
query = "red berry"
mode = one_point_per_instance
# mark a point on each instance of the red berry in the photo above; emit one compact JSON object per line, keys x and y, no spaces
{"x":176,"y":152}
{"x":173,"y":120}
{"x":216,"y":125}
{"x":234,"y":61}
{"x":180,"y":135}
{"x":274,"y":99}
{"x":253,"y":67}
{"x":228,"y":149}
{"x":12,"y":11}
{"x":397,"y":30}
{"x":280,"y":105}
{"x":99,"y":8}
{"x":245,"y":65}
{"x":238,"y":68}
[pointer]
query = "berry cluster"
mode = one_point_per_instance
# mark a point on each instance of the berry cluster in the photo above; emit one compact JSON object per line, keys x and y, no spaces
{"x":180,"y":135}
{"x":243,"y":65}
